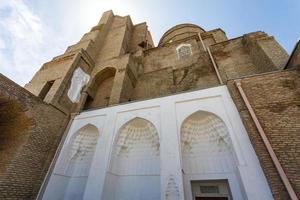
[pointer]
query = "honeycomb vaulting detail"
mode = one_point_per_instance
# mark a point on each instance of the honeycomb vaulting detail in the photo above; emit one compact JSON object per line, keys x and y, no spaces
{"x":81,"y":151}
{"x":206,"y":146}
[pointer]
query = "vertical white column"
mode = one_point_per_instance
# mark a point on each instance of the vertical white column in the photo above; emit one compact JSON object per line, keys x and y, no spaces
{"x":96,"y":180}
{"x":171,"y":173}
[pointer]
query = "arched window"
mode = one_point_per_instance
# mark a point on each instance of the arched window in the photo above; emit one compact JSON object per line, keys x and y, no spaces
{"x":100,"y":90}
{"x":134,"y":171}
{"x":184,"y":51}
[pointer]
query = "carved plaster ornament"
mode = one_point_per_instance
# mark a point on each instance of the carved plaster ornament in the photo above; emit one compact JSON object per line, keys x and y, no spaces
{"x":137,"y":131}
{"x":78,"y":81}
{"x":172,"y":190}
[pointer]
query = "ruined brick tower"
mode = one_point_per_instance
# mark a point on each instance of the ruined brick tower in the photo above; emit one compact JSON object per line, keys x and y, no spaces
{"x":125,"y":52}
{"x":199,"y":116}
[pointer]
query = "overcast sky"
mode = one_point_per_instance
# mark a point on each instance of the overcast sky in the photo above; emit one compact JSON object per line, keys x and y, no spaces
{"x":34,"y":31}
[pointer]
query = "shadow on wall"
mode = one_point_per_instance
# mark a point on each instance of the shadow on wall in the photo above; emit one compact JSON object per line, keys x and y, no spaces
{"x":14,"y":126}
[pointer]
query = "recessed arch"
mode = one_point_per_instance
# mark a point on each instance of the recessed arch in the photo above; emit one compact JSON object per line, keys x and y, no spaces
{"x":99,"y":91}
{"x":82,"y":128}
{"x":131,"y":138}
{"x":134,"y":169}
{"x":206,"y":146}
{"x":207,"y":152}
{"x":81,"y":150}
{"x":74,"y":164}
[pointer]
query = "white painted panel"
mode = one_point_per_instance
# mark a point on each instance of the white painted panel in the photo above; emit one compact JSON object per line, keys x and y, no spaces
{"x":205,"y":145}
{"x":132,"y":187}
{"x":133,"y":169}
{"x":74,"y":165}
{"x":135,"y":156}
{"x":78,"y":81}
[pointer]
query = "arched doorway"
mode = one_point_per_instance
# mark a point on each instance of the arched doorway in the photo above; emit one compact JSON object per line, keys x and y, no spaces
{"x":134,"y":171}
{"x":100,"y":90}
{"x":207,"y":157}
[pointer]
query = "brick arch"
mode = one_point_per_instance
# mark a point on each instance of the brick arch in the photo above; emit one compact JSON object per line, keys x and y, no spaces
{"x":101,"y":74}
{"x":15,"y":126}
{"x":100,"y":88}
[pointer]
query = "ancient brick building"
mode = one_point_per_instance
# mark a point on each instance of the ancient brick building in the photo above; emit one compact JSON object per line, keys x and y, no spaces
{"x":199,"y":116}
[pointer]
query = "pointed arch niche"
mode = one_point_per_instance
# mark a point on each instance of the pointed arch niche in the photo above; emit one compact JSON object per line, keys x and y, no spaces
{"x":134,"y":171}
{"x":81,"y":151}
{"x":71,"y":174}
{"x":206,"y":148}
{"x":99,"y":92}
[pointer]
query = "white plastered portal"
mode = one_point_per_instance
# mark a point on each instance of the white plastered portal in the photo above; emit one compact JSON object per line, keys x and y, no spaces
{"x":159,"y":146}
{"x":134,"y":170}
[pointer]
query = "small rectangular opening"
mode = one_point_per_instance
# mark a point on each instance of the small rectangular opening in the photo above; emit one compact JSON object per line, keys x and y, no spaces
{"x":211,"y":190}
{"x":46,"y":89}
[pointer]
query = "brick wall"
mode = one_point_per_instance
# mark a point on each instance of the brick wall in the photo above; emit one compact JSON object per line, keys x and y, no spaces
{"x":294,"y":61}
{"x":275,"y":98}
{"x":30,"y":131}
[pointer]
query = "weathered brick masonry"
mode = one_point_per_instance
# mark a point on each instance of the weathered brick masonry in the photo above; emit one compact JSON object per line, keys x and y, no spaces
{"x":30,"y":133}
{"x":275,"y":98}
